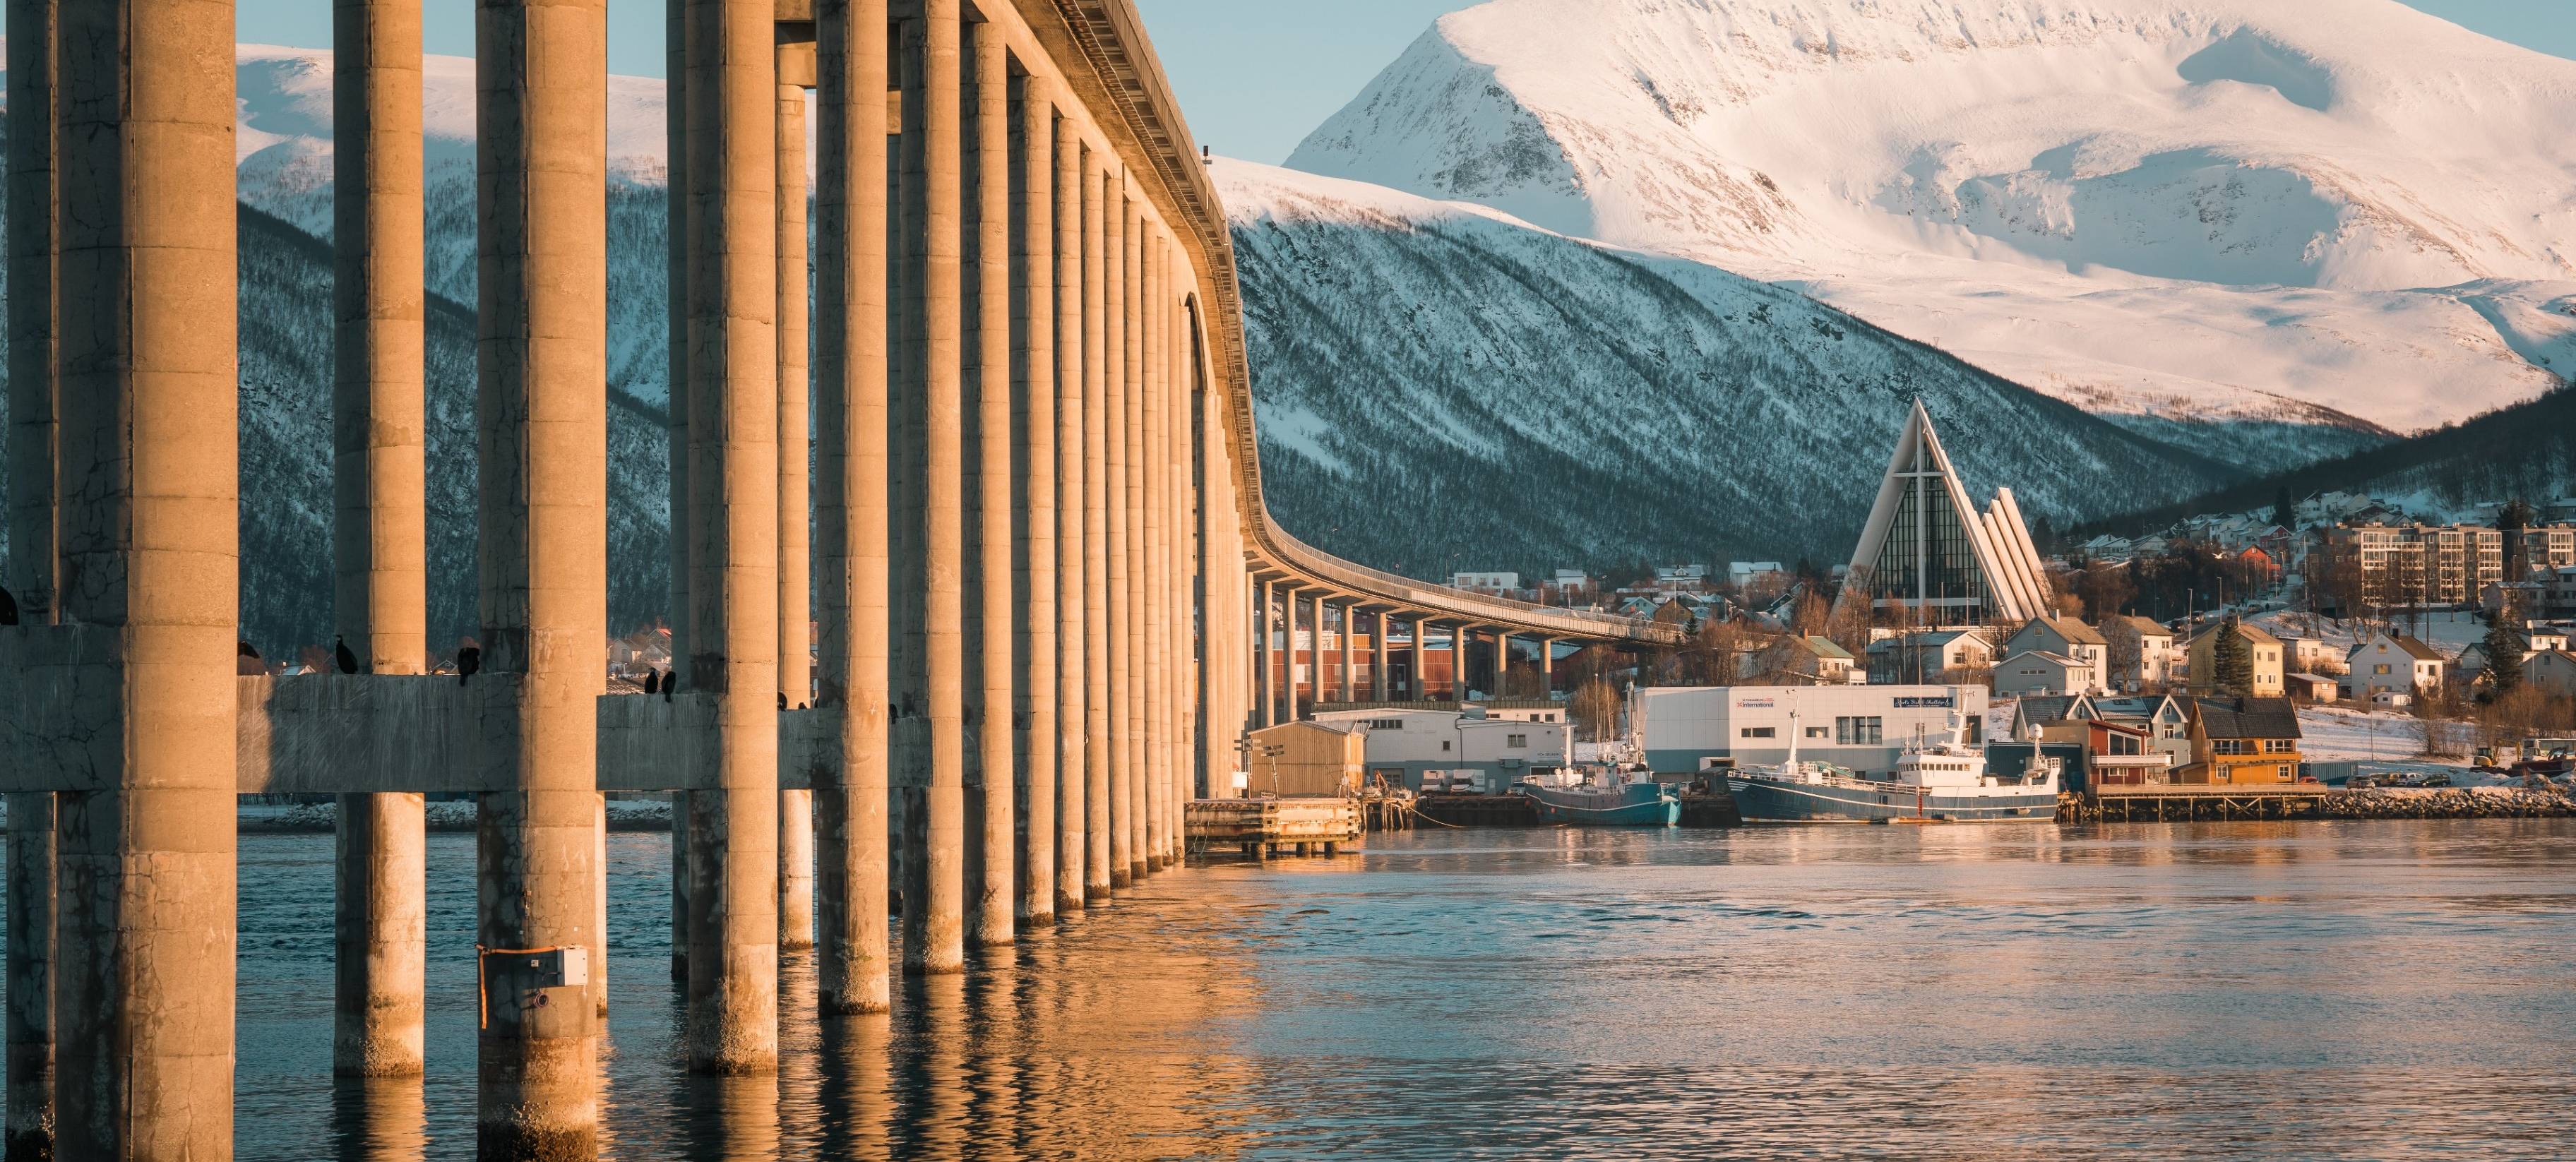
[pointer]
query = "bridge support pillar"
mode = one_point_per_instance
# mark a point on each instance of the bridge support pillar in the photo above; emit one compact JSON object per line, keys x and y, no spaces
{"x":1265,"y":655}
{"x":150,"y":557}
{"x":990,"y":614}
{"x":1117,"y":257}
{"x":379,"y":593}
{"x":33,"y":315}
{"x":732,"y":93}
{"x":929,"y":684}
{"x":543,"y":414}
{"x":1075,"y":340}
{"x":795,"y":71}
{"x":1156,"y":666}
{"x":1033,"y":471}
{"x":850,"y":514}
{"x":1502,"y":663}
{"x":1096,"y":417}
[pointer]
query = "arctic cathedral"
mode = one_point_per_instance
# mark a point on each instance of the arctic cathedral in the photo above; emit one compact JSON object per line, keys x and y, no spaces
{"x":1928,"y":550}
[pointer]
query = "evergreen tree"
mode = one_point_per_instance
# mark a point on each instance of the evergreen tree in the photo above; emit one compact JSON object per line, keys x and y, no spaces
{"x":2504,"y":658}
{"x":2232,"y":661}
{"x":2285,"y":512}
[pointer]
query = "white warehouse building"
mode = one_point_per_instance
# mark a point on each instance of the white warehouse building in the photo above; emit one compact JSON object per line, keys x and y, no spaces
{"x":1685,"y":729}
{"x":1489,"y":754}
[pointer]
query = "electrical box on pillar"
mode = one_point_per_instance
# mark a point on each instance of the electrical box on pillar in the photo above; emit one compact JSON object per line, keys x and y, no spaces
{"x":519,"y":986}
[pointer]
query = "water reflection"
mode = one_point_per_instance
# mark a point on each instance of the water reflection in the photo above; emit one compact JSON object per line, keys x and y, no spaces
{"x":2335,"y":991}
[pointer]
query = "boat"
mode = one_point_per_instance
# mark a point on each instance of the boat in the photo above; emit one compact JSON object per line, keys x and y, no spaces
{"x":1638,"y":804}
{"x":1943,"y":781}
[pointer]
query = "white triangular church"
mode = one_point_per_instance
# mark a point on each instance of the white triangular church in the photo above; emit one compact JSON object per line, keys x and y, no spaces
{"x":1927,"y":549}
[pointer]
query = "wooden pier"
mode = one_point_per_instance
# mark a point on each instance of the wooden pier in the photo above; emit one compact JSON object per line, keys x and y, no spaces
{"x":2184,"y":802}
{"x":1259,"y":827}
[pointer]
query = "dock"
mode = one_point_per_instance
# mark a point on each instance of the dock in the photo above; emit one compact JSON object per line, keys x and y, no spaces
{"x":2183,"y":802}
{"x":1261,"y":827}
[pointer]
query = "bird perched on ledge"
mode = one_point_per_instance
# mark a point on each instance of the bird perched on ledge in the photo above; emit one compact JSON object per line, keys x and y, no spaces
{"x":468,"y":660}
{"x":340,"y":653}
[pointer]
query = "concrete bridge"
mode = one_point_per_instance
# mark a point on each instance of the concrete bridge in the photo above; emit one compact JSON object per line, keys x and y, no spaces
{"x":1038,"y":555}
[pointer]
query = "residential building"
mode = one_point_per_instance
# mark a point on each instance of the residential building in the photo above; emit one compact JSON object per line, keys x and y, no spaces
{"x":2068,"y":637}
{"x":1684,"y":729}
{"x":2385,"y":566}
{"x":1495,"y":583}
{"x":2046,"y":672}
{"x":2311,"y":655}
{"x":1568,"y":587}
{"x":2238,"y":741}
{"x":1671,"y":579}
{"x":1929,"y":655}
{"x":2142,"y":654}
{"x":1928,"y":550}
{"x":2200,"y":655}
{"x":2392,"y":662}
{"x":2551,"y":670}
{"x":1744,"y":573}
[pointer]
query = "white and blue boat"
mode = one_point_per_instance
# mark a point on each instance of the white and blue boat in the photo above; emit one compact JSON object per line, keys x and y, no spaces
{"x":1639,"y":804}
{"x":1936,"y":782}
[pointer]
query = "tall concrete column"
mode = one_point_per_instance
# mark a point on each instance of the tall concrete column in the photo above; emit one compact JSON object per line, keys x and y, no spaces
{"x":990,"y":881}
{"x":1502,"y":662}
{"x":1132,"y":425}
{"x":675,"y":135}
{"x":33,"y":312}
{"x":929,"y":685}
{"x":1120,"y":451}
{"x":795,"y":71}
{"x":1033,"y":498}
{"x":150,"y":559}
{"x":33,"y":402}
{"x":1377,"y":656}
{"x":1096,"y":418}
{"x":850,"y":513}
{"x":1350,"y":633}
{"x":379,"y":588}
{"x":1315,"y":653}
{"x":1157,"y":665}
{"x":1073,"y":516}
{"x":1546,"y":667}
{"x":30,"y":1128}
{"x":542,"y":410}
{"x":733,"y":493}
{"x":1265,"y":657}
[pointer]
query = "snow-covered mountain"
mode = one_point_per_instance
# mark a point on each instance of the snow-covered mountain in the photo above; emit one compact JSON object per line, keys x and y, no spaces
{"x":2327,"y":213}
{"x":1537,"y":400}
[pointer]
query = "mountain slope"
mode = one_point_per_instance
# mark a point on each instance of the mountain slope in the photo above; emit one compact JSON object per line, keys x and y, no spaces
{"x":1534,"y":400}
{"x":2339,"y":216}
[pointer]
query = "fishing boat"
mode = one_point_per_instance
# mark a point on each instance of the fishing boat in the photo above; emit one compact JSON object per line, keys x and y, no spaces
{"x":1938,"y":781}
{"x":1638,"y":804}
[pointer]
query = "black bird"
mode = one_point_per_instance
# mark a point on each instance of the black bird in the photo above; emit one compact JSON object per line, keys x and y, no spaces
{"x":782,"y":699}
{"x":340,"y":653}
{"x":8,"y":608}
{"x":670,"y":682}
{"x":652,"y":681}
{"x":468,"y":660}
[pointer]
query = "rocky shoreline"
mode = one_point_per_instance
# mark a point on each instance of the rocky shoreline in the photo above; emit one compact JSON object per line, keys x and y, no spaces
{"x":2447,"y":803}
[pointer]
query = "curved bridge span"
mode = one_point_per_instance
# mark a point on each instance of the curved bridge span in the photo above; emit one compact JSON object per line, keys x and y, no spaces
{"x":1022,"y":608}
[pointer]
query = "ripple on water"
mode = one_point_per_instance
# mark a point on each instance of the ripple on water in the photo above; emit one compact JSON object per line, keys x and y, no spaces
{"x":2342,"y":991}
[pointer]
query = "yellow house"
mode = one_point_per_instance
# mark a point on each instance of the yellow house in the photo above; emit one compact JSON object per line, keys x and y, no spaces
{"x":1305,"y":758}
{"x":2242,"y":740}
{"x":2267,"y":651}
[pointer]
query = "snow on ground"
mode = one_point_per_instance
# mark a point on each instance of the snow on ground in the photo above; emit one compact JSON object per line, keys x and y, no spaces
{"x":2331,"y":734}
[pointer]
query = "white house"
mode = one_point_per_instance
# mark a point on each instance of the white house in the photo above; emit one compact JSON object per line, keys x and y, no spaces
{"x":1744,"y":573}
{"x":1485,"y":582}
{"x":2145,"y":653}
{"x":2392,"y":662}
{"x":2551,"y":670}
{"x":2046,"y":672}
{"x":2067,"y":638}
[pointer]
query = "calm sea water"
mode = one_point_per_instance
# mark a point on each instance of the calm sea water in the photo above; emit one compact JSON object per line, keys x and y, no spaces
{"x":2313,"y":990}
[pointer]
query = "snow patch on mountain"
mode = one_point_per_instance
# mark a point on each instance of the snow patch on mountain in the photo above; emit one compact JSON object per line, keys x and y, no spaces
{"x":2217,"y":207}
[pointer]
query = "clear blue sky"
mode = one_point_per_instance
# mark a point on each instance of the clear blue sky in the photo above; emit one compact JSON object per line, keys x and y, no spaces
{"x":1253,"y":75}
